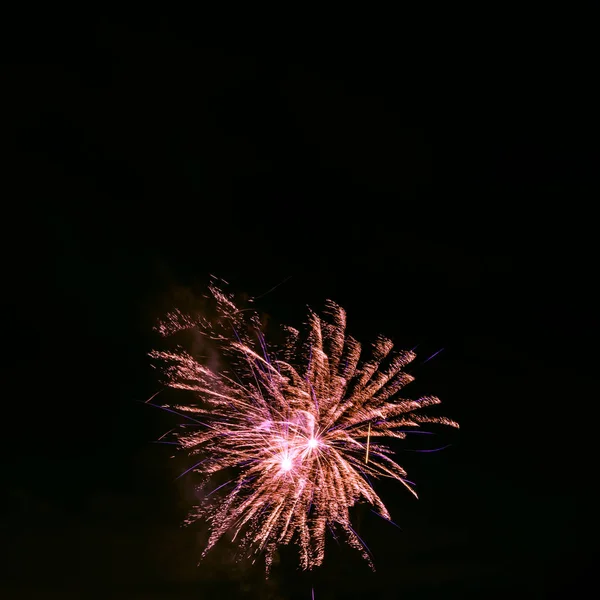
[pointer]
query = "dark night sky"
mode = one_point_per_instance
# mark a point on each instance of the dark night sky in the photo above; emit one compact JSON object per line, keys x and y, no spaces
{"x":140,"y":158}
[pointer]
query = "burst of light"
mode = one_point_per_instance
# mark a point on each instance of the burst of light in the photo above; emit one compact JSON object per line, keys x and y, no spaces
{"x":296,"y":429}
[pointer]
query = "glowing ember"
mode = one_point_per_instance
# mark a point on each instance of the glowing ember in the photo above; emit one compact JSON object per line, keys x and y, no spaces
{"x":297,"y":431}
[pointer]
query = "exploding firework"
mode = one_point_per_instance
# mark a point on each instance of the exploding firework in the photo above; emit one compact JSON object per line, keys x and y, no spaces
{"x":297,"y":429}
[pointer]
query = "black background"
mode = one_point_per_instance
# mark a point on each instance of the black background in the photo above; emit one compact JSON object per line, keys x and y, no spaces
{"x":450,"y":211}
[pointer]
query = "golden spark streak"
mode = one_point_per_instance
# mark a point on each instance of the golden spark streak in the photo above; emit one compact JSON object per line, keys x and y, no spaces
{"x":368,"y":444}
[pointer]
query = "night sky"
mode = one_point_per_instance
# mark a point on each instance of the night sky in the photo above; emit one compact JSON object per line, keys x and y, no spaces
{"x":140,"y":157}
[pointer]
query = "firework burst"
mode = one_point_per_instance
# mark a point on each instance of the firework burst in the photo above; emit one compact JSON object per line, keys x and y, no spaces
{"x":298,"y":430}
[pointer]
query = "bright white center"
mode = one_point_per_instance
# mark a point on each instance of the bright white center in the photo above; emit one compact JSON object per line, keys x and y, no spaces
{"x":286,"y":464}
{"x":313,"y":443}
